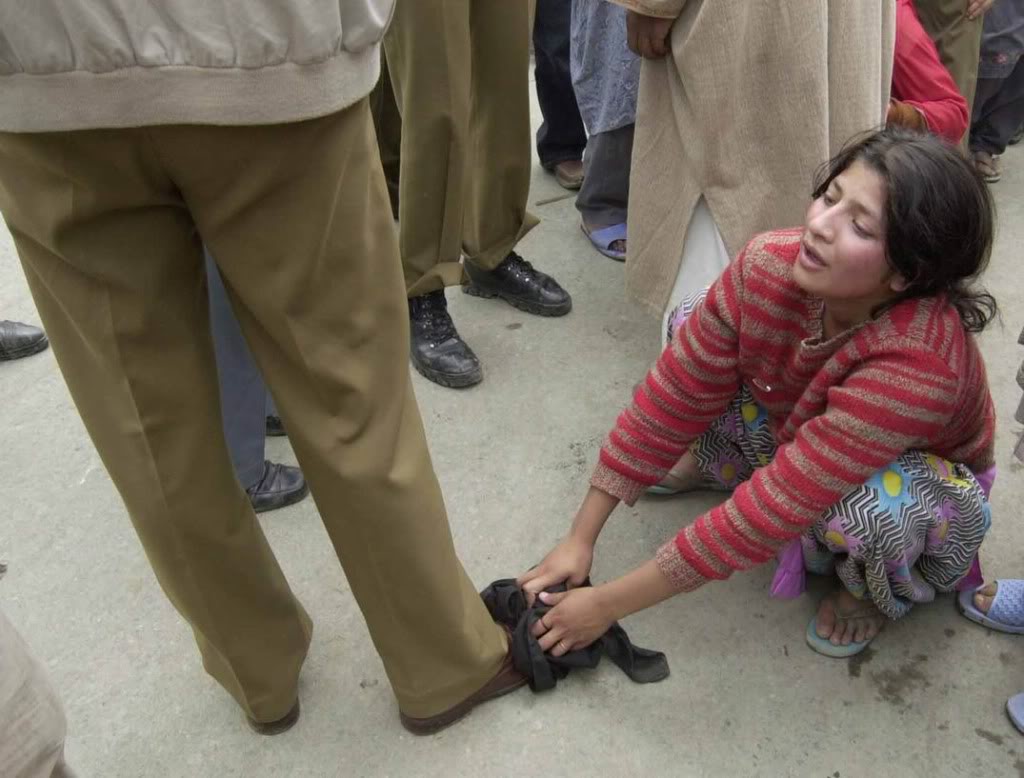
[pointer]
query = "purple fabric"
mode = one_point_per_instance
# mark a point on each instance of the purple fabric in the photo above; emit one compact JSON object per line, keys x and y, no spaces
{"x":985,"y":480}
{"x":790,"y":576}
{"x":974,"y":578}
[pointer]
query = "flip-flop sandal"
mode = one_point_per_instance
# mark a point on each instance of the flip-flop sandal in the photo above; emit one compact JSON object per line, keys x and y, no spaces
{"x":603,"y":239}
{"x":1015,"y":710}
{"x":670,"y":491}
{"x":1007,"y":611}
{"x":988,"y":167}
{"x":825,"y":646}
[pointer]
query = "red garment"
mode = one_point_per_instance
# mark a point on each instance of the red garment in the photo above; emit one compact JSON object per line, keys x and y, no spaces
{"x":841,"y":409}
{"x":920,"y":79}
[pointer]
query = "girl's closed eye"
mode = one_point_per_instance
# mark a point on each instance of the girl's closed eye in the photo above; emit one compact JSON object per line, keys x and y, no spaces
{"x":864,"y":232}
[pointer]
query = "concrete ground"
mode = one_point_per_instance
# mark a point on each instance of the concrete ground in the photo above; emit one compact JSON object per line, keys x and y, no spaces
{"x":745,"y":698}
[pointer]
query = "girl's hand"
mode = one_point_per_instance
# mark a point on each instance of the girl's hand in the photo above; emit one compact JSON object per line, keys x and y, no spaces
{"x":577,"y":619}
{"x":567,"y":562}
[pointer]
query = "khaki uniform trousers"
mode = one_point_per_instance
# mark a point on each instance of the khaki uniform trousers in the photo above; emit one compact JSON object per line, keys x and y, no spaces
{"x":460,"y":74}
{"x":108,"y":225}
{"x":958,"y":40}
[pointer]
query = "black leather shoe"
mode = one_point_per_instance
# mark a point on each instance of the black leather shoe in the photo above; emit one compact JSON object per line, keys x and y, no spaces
{"x":518,"y":283}
{"x":20,"y":340}
{"x":279,"y":486}
{"x":438,"y":351}
{"x":275,"y":427}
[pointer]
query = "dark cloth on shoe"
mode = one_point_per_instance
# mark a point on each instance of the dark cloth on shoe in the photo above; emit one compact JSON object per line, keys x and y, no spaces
{"x":507,"y":605}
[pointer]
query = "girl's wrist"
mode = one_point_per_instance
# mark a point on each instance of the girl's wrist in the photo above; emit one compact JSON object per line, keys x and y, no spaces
{"x":593,"y":513}
{"x":643,"y":587}
{"x":583,"y":532}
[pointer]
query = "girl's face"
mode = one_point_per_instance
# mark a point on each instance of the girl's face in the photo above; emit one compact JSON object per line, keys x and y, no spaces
{"x":842,"y":253}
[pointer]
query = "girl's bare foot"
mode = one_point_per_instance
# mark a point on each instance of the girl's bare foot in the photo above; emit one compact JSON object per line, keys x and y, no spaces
{"x":843,"y":619}
{"x":684,"y":476}
{"x":985,"y":596}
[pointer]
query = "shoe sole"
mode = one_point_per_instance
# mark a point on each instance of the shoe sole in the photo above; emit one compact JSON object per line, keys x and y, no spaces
{"x":449,"y":380}
{"x":572,"y":184}
{"x":569,"y":183}
{"x":25,"y":351}
{"x":435,"y":724}
{"x":537,"y":309}
{"x":275,"y":727}
{"x":283,"y":500}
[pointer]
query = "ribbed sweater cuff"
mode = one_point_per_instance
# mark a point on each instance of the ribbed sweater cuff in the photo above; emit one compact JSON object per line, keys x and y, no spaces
{"x":616,"y":484}
{"x":678,"y":571}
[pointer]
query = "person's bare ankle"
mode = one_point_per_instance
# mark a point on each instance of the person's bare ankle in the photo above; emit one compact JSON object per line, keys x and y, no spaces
{"x":684,"y":474}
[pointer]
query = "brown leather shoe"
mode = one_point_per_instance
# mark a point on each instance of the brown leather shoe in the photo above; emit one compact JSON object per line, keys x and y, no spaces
{"x":282,"y":724}
{"x":506,"y":680}
{"x":569,"y":174}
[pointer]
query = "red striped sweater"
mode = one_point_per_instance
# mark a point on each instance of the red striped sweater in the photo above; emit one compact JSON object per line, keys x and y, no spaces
{"x":841,"y":409}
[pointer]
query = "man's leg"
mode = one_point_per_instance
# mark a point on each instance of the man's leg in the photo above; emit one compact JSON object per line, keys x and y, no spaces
{"x":604,"y":198}
{"x":958,"y":40}
{"x":561,"y":137}
{"x":245,"y":403}
{"x":499,"y":145}
{"x":428,"y":53}
{"x":427,"y":47}
{"x":999,"y":111}
{"x":116,"y":270}
{"x":496,"y":215}
{"x":309,"y":259}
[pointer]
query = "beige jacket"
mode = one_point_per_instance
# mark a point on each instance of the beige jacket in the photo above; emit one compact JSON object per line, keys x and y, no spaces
{"x":752,"y":99}
{"x":80,"y":64}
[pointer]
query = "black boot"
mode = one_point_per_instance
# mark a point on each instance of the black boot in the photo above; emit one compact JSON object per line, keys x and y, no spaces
{"x":20,"y":340}
{"x":275,"y":427}
{"x":518,"y":283}
{"x":280,"y":485}
{"x":438,"y":352}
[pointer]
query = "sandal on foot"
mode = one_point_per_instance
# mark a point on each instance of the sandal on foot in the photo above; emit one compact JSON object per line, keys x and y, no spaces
{"x":670,"y":491}
{"x":1015,"y":710}
{"x":1007,"y":611}
{"x":603,"y":238}
{"x":826,"y":647}
{"x":988,"y":166}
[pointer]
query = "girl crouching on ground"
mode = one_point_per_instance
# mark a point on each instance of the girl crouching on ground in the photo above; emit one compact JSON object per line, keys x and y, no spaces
{"x":831,"y":379}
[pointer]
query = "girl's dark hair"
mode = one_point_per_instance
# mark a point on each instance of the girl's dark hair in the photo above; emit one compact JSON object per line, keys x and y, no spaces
{"x":939,"y":217}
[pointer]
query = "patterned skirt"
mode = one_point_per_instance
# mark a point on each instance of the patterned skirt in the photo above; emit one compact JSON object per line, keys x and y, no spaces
{"x":911,"y":530}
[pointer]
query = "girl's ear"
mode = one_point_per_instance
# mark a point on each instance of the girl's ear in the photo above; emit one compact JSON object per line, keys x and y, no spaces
{"x":898,"y":283}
